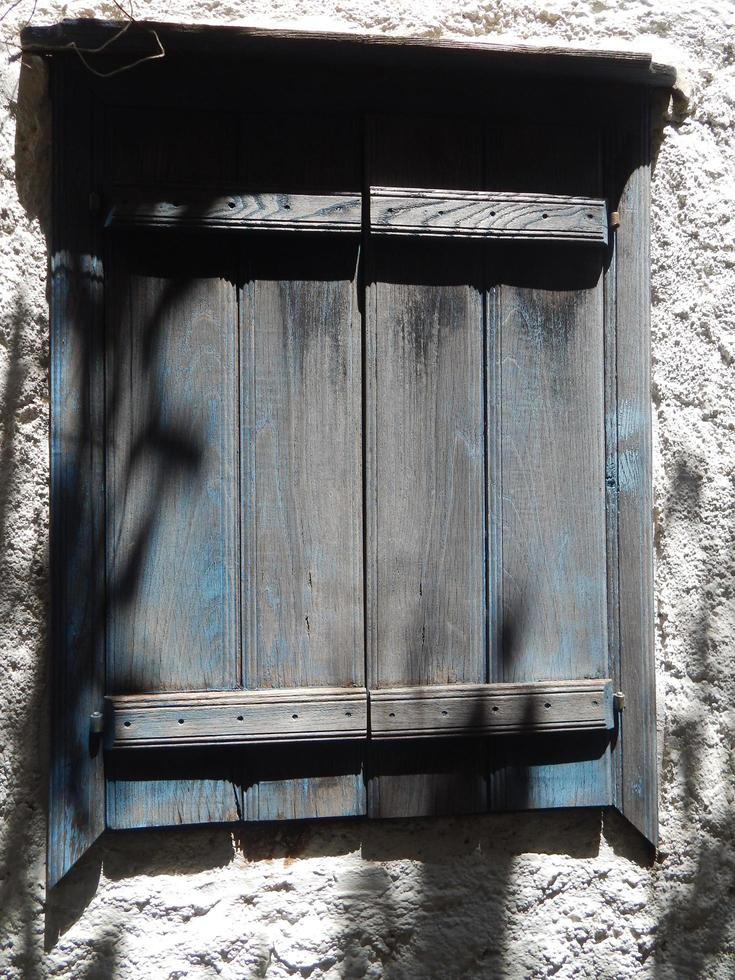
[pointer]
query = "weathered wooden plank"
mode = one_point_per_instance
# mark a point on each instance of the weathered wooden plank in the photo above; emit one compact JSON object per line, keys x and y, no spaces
{"x":562,"y":769}
{"x":554,"y":601}
{"x":425,"y":482}
{"x":485,"y":214}
{"x":149,"y":146}
{"x":549,"y":329}
{"x":611,"y":465}
{"x":165,"y":788}
{"x":292,"y":715}
{"x":307,"y":150}
{"x":77,"y":785}
{"x":172,"y":487}
{"x":637,"y":789}
{"x":172,"y":551}
{"x":238,"y":212}
{"x":221,"y":717}
{"x":288,"y":781}
{"x":394,"y":211}
{"x":171,"y":469}
{"x":301,"y":470}
{"x":140,"y":40}
{"x":472,"y":709}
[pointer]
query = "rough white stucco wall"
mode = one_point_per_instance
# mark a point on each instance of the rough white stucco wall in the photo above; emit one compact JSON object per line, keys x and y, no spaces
{"x":566,"y":894}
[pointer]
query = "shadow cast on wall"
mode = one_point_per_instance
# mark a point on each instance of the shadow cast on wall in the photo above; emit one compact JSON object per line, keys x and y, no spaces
{"x":701,"y":908}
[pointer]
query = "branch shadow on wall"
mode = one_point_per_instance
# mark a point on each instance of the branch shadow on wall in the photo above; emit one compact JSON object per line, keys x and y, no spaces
{"x":701,"y":909}
{"x":24,"y":587}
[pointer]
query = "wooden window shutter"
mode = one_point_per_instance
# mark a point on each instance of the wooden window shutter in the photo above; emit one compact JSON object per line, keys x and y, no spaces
{"x":350,"y":435}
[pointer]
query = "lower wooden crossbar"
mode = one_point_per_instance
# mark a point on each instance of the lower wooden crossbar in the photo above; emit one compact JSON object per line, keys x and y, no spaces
{"x":313,"y":714}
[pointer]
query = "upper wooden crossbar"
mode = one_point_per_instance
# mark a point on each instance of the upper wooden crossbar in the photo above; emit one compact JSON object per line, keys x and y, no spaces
{"x":393,"y":211}
{"x":487,"y":214}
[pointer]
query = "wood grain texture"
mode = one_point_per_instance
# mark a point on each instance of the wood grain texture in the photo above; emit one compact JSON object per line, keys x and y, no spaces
{"x":218,"y":717}
{"x":170,"y":788}
{"x":425,"y":482}
{"x":223,"y":717}
{"x":637,"y":790}
{"x":301,"y":469}
{"x":472,"y":709}
{"x":548,"y":361}
{"x":77,"y":786}
{"x":171,"y":470}
{"x":238,"y":212}
{"x":629,"y":66}
{"x":149,"y":146}
{"x":487,"y":523}
{"x":481,"y":214}
{"x":554,"y":598}
{"x":172,"y":497}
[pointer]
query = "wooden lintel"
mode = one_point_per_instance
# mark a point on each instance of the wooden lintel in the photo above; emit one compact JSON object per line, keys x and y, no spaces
{"x":222,"y":717}
{"x":237,"y":212}
{"x":145,"y":38}
{"x":487,"y":214}
{"x":308,"y":714}
{"x":478,"y":709}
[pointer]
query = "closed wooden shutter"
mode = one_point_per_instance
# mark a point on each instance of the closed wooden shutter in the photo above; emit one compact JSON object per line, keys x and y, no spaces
{"x":344,"y":488}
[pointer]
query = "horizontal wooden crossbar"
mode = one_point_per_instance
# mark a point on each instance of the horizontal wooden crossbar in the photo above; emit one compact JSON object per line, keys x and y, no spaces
{"x":393,"y":211}
{"x":487,"y":214}
{"x":476,"y":709}
{"x":213,"y":718}
{"x":307,"y":714}
{"x":237,"y":212}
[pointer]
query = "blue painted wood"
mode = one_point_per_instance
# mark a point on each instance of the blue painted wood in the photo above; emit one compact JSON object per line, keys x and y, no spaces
{"x":172,"y":495}
{"x":301,"y":469}
{"x":548,"y":478}
{"x":425,"y":463}
{"x":77,"y":790}
{"x":631,"y":473}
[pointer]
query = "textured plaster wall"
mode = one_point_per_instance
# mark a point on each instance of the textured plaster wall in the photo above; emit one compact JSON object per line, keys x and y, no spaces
{"x":564,"y":895}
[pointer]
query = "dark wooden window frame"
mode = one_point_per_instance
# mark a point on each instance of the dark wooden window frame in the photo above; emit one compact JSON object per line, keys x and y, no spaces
{"x":623,"y":85}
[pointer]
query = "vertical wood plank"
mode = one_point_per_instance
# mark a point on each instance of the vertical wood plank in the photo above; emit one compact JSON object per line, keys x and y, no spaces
{"x":77,"y":786}
{"x":637,"y":774}
{"x":549,"y":470}
{"x":172,"y":494}
{"x":301,"y":398}
{"x":301,"y":374}
{"x":554,"y":592}
{"x":429,"y":407}
{"x":426,"y":480}
{"x":171,"y":467}
{"x":173,"y":566}
{"x":149,"y":145}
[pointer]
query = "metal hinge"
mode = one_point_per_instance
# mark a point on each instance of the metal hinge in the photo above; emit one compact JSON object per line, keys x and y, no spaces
{"x":619,"y":701}
{"x":614,"y":220}
{"x":96,"y":723}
